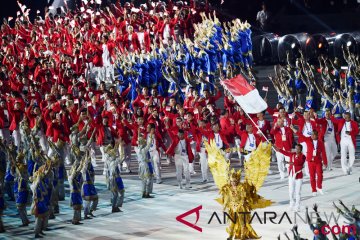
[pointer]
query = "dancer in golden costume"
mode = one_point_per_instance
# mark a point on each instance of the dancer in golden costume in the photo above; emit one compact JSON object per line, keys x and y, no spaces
{"x":236,"y":196}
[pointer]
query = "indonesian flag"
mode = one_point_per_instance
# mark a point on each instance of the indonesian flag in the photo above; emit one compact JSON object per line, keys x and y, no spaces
{"x":245,"y":95}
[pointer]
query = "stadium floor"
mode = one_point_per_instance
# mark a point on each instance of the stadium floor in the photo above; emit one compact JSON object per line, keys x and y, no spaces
{"x":155,"y":218}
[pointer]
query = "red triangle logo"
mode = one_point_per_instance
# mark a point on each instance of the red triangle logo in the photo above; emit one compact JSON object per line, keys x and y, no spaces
{"x":196,"y":210}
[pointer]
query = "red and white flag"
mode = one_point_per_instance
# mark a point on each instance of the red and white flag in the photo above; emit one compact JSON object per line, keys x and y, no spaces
{"x":245,"y":95}
{"x":265,"y":89}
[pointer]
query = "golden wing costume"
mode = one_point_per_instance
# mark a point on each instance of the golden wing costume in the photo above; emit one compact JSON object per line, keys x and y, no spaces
{"x":236,"y":196}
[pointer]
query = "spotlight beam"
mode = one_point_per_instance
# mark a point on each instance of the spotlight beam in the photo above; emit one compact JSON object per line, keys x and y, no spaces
{"x":312,"y":16}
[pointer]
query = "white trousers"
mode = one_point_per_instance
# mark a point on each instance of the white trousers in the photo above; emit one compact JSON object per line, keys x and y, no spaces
{"x":103,"y":158}
{"x":330,"y":149}
{"x":204,"y":164}
{"x":191,"y":165}
{"x":127,"y":152}
{"x":17,"y":137}
{"x":295,"y":192}
{"x":155,"y":158}
{"x":67,"y":153}
{"x":43,"y":141}
{"x":304,"y":151}
{"x":5,"y":134}
{"x":88,"y":69}
{"x":96,"y":74}
{"x":102,"y":150}
{"x":347,"y":146}
{"x":136,"y":149}
{"x":237,"y":144}
{"x":182,"y":165}
{"x":93,"y":154}
{"x":108,"y":73}
{"x":281,"y":163}
{"x":147,"y":185}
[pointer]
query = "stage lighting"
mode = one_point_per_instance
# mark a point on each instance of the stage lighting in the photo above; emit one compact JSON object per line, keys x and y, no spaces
{"x":324,"y":43}
{"x":293,"y":43}
{"x":344,"y":40}
{"x":265,"y":48}
{"x":356,"y":36}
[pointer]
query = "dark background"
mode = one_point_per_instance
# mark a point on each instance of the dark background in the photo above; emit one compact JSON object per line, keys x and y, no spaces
{"x":10,"y":7}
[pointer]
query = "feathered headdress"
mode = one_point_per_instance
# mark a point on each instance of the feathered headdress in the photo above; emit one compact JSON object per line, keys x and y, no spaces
{"x":74,"y":127}
{"x":235,"y":175}
{"x":20,"y":157}
{"x":21,"y":168}
{"x":76,"y":150}
{"x":60,"y":144}
{"x":111,"y":150}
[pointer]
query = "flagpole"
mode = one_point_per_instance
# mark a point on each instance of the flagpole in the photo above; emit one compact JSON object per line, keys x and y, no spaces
{"x":249,"y":117}
{"x":259,"y":130}
{"x":257,"y":127}
{"x":266,"y":94}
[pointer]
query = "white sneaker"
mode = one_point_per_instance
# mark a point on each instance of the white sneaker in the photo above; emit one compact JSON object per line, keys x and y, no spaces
{"x":314,"y":194}
{"x":320,"y":191}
